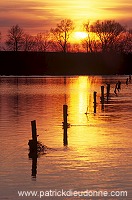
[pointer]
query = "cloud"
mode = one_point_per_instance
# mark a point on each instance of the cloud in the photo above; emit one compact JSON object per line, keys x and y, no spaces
{"x":35,"y":15}
{"x":122,"y":14}
{"x":34,"y":9}
{"x":120,"y":9}
{"x":29,"y":14}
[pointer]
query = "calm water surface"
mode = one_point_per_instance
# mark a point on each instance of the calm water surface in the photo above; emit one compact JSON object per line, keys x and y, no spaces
{"x":98,"y":156}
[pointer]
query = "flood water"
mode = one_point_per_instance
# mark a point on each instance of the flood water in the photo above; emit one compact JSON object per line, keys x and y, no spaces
{"x":98,"y":156}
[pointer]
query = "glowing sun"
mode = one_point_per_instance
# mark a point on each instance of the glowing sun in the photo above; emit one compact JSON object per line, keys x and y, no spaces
{"x":79,"y":35}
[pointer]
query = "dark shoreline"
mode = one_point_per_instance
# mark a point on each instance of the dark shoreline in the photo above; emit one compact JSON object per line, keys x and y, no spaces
{"x":57,"y":63}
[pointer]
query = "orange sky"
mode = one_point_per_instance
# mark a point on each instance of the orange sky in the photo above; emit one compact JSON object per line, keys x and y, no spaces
{"x":34,"y":16}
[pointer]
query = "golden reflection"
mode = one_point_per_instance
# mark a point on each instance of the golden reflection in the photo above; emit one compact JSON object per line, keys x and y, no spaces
{"x":84,"y":132}
{"x":81,"y":97}
{"x":90,"y":136}
{"x":98,"y":150}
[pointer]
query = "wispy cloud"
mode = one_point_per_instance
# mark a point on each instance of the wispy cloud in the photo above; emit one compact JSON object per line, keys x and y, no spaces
{"x":30,"y":15}
{"x":121,"y":9}
{"x":44,"y":14}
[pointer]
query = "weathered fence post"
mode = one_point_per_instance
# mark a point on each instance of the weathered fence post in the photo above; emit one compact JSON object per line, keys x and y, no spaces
{"x":33,"y":143}
{"x":34,"y":130}
{"x":102,"y":94}
{"x":95,"y":102}
{"x":102,"y":97}
{"x":65,"y":125}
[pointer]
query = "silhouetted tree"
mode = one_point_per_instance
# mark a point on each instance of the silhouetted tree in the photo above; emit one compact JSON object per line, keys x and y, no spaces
{"x":87,"y":42}
{"x":54,"y":46}
{"x":108,"y":33}
{"x":43,"y":41}
{"x":123,"y":43}
{"x":94,"y":45}
{"x":29,"y":42}
{"x":128,"y":42}
{"x":90,"y":43}
{"x":75,"y":47}
{"x":62,"y":33}
{"x":15,"y":38}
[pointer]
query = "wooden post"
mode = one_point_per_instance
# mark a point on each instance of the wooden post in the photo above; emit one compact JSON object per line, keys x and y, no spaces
{"x":102,"y":97}
{"x":65,"y":125}
{"x":102,"y":94}
{"x":65,"y":108}
{"x":33,"y":143}
{"x":34,"y":130}
{"x":108,"y":91}
{"x":95,"y":102}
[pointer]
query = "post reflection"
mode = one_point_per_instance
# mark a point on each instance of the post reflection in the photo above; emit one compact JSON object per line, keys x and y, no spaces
{"x":34,"y":157}
{"x":99,"y":144}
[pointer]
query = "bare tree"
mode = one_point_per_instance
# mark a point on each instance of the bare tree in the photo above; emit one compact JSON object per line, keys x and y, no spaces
{"x":29,"y":42}
{"x":108,"y":33}
{"x":128,"y":41}
{"x":125,"y":43}
{"x":94,"y":45}
{"x":62,"y":33}
{"x":43,"y":41}
{"x":54,"y":46}
{"x":15,"y":38}
{"x":75,"y":47}
{"x":90,"y":43}
{"x":87,"y":42}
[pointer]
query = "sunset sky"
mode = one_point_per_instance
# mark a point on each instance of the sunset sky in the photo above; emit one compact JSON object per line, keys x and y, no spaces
{"x":35,"y":16}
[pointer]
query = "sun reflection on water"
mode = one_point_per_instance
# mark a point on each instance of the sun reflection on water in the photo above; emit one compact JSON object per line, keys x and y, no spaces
{"x":98,"y":154}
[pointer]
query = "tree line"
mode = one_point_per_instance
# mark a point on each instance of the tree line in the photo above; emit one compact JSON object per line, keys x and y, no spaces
{"x":102,"y":36}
